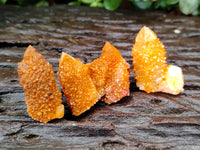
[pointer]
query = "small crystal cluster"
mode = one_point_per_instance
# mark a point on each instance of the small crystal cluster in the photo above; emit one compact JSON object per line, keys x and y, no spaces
{"x":117,"y":77}
{"x":77,"y":85}
{"x":106,"y":78}
{"x":150,"y":67}
{"x":42,"y":96}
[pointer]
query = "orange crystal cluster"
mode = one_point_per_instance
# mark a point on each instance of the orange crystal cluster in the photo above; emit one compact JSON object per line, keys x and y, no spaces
{"x":77,"y":85}
{"x":150,"y":67}
{"x":84,"y":84}
{"x":42,"y":96}
{"x":117,"y":77}
{"x":149,"y":60}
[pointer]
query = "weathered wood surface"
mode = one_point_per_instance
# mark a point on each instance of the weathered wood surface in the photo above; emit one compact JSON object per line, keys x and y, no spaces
{"x":139,"y":121}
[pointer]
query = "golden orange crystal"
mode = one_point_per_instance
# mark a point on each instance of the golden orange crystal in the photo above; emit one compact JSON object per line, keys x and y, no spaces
{"x":151,"y":70}
{"x":106,"y":78}
{"x":42,"y":96}
{"x":117,"y":77}
{"x":77,"y":84}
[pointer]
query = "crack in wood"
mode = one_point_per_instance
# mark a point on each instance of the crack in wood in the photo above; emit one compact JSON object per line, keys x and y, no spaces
{"x":4,"y":44}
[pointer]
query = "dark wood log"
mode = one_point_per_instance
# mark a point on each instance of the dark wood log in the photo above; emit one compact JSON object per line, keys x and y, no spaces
{"x":139,"y":121}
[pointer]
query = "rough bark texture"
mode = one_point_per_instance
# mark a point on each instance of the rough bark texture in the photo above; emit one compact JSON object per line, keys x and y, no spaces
{"x":139,"y":121}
